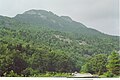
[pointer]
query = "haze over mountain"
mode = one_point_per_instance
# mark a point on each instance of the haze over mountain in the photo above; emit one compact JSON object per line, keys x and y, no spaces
{"x":53,"y":21}
{"x":102,"y":15}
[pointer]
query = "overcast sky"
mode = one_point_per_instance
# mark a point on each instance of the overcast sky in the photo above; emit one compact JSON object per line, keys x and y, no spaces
{"x":102,"y":15}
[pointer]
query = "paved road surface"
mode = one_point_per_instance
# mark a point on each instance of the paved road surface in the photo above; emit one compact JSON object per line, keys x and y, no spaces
{"x":83,"y":75}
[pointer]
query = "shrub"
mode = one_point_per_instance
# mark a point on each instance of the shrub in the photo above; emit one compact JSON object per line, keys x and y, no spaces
{"x":108,"y":74}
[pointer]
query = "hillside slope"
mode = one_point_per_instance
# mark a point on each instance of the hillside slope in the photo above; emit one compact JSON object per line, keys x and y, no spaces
{"x":42,"y":41}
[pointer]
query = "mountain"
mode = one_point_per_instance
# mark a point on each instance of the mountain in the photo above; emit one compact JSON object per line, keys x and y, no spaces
{"x":63,"y":28}
{"x":42,"y":41}
{"x":52,"y":21}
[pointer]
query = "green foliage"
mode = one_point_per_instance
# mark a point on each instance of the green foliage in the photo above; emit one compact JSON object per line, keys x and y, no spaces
{"x":53,"y":74}
{"x":113,"y":65}
{"x":85,"y":68}
{"x":99,"y":64}
{"x":96,"y":64}
{"x":108,"y":74}
{"x":32,"y":46}
{"x":11,"y":74}
{"x":29,"y":72}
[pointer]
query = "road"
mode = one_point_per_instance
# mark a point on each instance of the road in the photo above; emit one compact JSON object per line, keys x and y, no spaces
{"x":87,"y":75}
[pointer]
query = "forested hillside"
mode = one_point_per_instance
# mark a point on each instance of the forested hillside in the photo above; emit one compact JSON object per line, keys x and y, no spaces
{"x":40,"y":43}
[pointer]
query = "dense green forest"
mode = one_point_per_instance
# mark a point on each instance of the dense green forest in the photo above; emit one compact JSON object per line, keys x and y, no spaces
{"x":40,"y":43}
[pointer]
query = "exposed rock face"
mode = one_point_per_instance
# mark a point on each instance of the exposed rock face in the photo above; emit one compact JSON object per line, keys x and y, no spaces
{"x":63,"y":39}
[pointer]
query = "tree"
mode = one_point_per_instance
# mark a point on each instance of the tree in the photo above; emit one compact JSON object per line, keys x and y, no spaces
{"x":96,"y":64}
{"x":18,"y":65}
{"x":29,"y":72}
{"x":113,"y":65}
{"x":86,"y":68}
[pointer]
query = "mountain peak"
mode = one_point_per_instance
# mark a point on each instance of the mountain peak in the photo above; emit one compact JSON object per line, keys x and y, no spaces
{"x":33,"y":11}
{"x":37,"y":12}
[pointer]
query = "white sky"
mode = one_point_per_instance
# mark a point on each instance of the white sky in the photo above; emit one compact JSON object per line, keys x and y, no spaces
{"x":102,"y":15}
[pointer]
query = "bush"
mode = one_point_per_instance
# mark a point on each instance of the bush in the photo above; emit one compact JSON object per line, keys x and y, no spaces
{"x":29,"y":72}
{"x":11,"y":74}
{"x":108,"y":74}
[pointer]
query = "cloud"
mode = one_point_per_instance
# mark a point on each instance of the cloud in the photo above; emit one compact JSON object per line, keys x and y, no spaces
{"x":102,"y":15}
